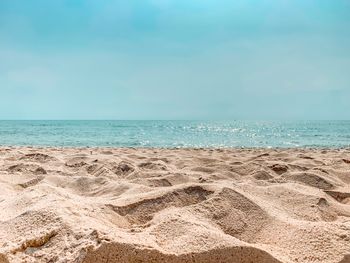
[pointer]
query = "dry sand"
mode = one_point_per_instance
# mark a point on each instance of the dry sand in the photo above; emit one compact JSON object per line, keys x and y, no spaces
{"x":180,"y":205}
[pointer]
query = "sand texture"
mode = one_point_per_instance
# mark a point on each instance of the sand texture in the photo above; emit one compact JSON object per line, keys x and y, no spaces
{"x":97,"y":205}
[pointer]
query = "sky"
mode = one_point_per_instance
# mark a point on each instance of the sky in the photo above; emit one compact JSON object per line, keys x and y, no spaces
{"x":175,"y":59}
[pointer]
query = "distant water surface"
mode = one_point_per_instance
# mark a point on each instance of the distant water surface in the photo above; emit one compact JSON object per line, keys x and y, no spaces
{"x":176,"y":133}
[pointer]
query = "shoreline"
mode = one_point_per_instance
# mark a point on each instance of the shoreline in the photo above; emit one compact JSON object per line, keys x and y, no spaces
{"x":174,"y":204}
{"x":316,"y":148}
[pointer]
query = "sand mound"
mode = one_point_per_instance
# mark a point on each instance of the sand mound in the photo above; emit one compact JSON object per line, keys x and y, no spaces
{"x":77,"y":162}
{"x":24,"y":168}
{"x":262,"y":175}
{"x":140,"y":212}
{"x":310,"y":179}
{"x":123,"y":169}
{"x":37,"y":157}
{"x":152,"y":165}
{"x":180,"y":205}
{"x":279,"y":168}
{"x":342,"y":196}
{"x":122,"y":253}
{"x":235,"y":214}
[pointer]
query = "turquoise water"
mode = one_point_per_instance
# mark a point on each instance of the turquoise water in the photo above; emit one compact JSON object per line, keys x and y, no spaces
{"x":176,"y":133}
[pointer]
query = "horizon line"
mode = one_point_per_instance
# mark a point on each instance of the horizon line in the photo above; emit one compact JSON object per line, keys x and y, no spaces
{"x":174,"y":119}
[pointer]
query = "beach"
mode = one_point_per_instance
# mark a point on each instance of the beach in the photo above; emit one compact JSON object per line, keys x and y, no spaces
{"x":99,"y":204}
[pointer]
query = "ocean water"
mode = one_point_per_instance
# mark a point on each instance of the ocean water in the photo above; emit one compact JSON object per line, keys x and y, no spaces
{"x":176,"y":133}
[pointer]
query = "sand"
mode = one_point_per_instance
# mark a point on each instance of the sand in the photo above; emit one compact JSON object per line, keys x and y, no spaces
{"x":97,"y":205}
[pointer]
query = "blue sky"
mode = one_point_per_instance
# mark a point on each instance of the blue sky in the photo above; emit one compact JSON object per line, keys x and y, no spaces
{"x":174,"y":59}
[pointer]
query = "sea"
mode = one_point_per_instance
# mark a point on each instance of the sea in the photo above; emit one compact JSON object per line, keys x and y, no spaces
{"x":176,"y":134}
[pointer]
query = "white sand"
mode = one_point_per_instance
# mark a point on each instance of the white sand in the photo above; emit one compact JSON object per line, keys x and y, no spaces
{"x":160,"y":205}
